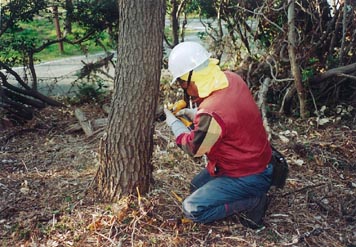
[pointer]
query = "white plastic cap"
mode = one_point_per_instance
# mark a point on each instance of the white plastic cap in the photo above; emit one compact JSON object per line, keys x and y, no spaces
{"x":185,"y":57}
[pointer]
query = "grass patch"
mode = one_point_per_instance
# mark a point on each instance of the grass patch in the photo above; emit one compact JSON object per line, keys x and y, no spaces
{"x":41,"y":30}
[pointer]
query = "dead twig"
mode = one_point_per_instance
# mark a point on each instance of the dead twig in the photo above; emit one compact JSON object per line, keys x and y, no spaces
{"x":303,"y":189}
{"x":107,"y":238}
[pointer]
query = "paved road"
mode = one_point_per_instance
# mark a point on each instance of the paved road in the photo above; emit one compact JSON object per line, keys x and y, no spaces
{"x":58,"y":77}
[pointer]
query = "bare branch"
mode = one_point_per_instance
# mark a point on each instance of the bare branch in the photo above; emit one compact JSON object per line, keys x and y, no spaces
{"x":347,"y":76}
{"x":348,"y":69}
{"x":262,"y":104}
{"x":263,"y":15}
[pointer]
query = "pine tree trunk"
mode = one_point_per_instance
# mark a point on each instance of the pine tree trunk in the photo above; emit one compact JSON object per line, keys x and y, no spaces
{"x":126,"y":151}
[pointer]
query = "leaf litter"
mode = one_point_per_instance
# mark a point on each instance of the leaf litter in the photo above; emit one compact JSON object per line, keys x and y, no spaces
{"x":45,"y":173}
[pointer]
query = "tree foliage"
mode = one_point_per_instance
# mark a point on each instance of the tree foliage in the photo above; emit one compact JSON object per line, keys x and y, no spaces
{"x":19,"y":45}
{"x":14,"y":46}
{"x":250,"y":37}
{"x":95,"y":16}
{"x":255,"y":41}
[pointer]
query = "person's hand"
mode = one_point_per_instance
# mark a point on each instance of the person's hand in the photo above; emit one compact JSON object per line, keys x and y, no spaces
{"x":190,"y":113}
{"x":170,"y":118}
{"x":176,"y":125}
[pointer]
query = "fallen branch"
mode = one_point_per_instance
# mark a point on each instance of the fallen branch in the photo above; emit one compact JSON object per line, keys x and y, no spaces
{"x":84,"y":122}
{"x":95,"y":124}
{"x":302,"y":189}
{"x":348,"y":69}
{"x":323,"y":206}
{"x":94,"y":66}
{"x":301,"y":238}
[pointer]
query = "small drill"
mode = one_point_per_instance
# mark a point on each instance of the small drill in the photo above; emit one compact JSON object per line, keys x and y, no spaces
{"x":176,"y":107}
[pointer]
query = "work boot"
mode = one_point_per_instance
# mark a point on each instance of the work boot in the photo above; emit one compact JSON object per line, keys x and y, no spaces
{"x":254,"y":218}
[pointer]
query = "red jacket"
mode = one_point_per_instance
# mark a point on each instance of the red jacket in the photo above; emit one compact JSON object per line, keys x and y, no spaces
{"x":242,"y":147}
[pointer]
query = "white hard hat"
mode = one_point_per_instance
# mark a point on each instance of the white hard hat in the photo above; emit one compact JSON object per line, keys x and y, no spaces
{"x":186,"y":57}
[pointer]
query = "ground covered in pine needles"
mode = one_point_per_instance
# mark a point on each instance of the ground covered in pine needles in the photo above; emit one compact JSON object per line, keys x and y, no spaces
{"x":45,"y":173}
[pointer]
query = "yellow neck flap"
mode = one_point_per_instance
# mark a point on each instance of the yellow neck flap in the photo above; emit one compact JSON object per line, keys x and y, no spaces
{"x":208,"y":79}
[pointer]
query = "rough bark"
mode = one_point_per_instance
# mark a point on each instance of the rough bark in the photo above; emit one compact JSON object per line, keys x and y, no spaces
{"x":126,"y":150}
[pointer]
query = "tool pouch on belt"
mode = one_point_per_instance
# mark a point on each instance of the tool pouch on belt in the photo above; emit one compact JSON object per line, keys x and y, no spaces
{"x":280,"y":169}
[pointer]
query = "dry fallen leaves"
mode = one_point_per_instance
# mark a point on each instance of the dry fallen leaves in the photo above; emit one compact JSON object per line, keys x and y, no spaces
{"x":43,"y":201}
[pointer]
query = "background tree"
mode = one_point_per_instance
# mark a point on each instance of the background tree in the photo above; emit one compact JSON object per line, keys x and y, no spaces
{"x":254,"y":44}
{"x":126,"y":150}
{"x":69,"y":16}
{"x":292,"y":57}
{"x":19,"y":46}
{"x":58,"y":28}
{"x":178,"y":15}
{"x":250,"y":37}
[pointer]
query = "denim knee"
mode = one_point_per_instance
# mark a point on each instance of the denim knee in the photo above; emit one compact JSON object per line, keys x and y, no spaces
{"x":200,"y":180}
{"x":189,"y":210}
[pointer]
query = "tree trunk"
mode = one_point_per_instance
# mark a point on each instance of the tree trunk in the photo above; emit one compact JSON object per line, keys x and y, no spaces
{"x":126,"y":150}
{"x":342,"y":48}
{"x":175,"y":22}
{"x":292,"y":57}
{"x":182,"y":30}
{"x":69,"y":16}
{"x":58,"y":28}
{"x":286,"y":106}
{"x":31,"y":66}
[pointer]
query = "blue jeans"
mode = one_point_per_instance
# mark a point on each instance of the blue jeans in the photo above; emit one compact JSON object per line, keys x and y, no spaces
{"x":215,"y":198}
